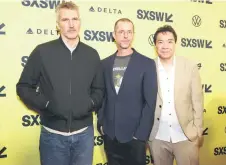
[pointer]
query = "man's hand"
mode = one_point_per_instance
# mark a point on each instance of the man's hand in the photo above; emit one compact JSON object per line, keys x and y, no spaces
{"x":200,"y":141}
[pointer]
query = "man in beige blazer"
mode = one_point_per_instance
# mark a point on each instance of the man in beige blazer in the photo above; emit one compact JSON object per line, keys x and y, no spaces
{"x":178,"y":125}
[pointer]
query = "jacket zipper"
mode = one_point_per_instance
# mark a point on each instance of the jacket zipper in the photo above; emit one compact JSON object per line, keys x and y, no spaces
{"x":70,"y":100}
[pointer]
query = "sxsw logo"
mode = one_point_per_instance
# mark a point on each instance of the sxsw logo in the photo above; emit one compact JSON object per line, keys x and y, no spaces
{"x":2,"y":25}
{"x":24,"y":60}
{"x":221,"y":110}
{"x":2,"y":93}
{"x":101,"y":36}
{"x":3,"y":152}
{"x":151,"y":40}
{"x":205,"y":132}
{"x":207,"y":88}
{"x":222,"y":67}
{"x":51,"y":4}
{"x":219,"y":151}
{"x":222,"y":23}
{"x":203,"y":1}
{"x":154,"y":15}
{"x":102,"y":163}
{"x":196,"y":43}
{"x":30,"y":120}
{"x":149,"y":159}
{"x":196,"y":21}
{"x":98,"y":140}
{"x":41,"y":31}
{"x":105,"y":10}
{"x":199,"y":65}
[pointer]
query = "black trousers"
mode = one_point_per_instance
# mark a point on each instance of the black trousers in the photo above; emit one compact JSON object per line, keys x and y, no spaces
{"x":129,"y":153}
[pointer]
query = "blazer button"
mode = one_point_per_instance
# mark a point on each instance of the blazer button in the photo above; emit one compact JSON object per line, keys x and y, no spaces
{"x":157,"y":118}
{"x":160,"y":106}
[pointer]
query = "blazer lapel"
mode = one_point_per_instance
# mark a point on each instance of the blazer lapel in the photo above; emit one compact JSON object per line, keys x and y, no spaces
{"x":159,"y":89}
{"x":110,"y":71}
{"x":179,"y":74}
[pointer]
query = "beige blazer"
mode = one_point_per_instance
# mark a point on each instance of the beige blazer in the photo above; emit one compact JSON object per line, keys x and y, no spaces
{"x":188,"y":97}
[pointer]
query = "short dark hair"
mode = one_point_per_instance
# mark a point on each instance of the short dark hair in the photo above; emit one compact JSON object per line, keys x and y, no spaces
{"x":165,"y":28}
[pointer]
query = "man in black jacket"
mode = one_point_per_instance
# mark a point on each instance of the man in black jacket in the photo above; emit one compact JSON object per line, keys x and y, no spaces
{"x":63,"y":80}
{"x":127,"y":115}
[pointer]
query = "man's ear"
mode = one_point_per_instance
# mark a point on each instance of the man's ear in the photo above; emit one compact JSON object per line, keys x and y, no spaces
{"x":113,"y":34}
{"x":57,"y":28}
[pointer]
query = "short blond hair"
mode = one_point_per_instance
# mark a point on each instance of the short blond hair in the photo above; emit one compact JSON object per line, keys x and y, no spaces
{"x":66,"y":5}
{"x":123,"y":20}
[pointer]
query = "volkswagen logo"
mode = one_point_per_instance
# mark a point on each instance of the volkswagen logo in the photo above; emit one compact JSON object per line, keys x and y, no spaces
{"x":196,"y":21}
{"x":151,"y":40}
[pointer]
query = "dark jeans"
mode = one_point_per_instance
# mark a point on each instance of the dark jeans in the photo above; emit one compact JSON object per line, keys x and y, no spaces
{"x":130,"y":153}
{"x":67,"y":150}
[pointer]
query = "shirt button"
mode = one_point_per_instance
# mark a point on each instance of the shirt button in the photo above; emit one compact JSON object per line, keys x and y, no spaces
{"x":170,"y":114}
{"x":160,"y":106}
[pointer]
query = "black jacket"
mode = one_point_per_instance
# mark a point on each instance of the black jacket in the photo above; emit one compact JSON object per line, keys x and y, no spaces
{"x":130,"y":113}
{"x":72,"y":83}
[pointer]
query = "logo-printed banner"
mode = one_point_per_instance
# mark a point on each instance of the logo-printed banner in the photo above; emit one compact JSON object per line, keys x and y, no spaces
{"x":201,"y":29}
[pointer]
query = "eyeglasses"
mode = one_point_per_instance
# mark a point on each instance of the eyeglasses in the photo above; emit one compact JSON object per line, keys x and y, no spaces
{"x":122,"y":32}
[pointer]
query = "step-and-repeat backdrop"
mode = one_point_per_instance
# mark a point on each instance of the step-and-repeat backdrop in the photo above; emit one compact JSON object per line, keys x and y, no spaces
{"x":201,"y":28}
